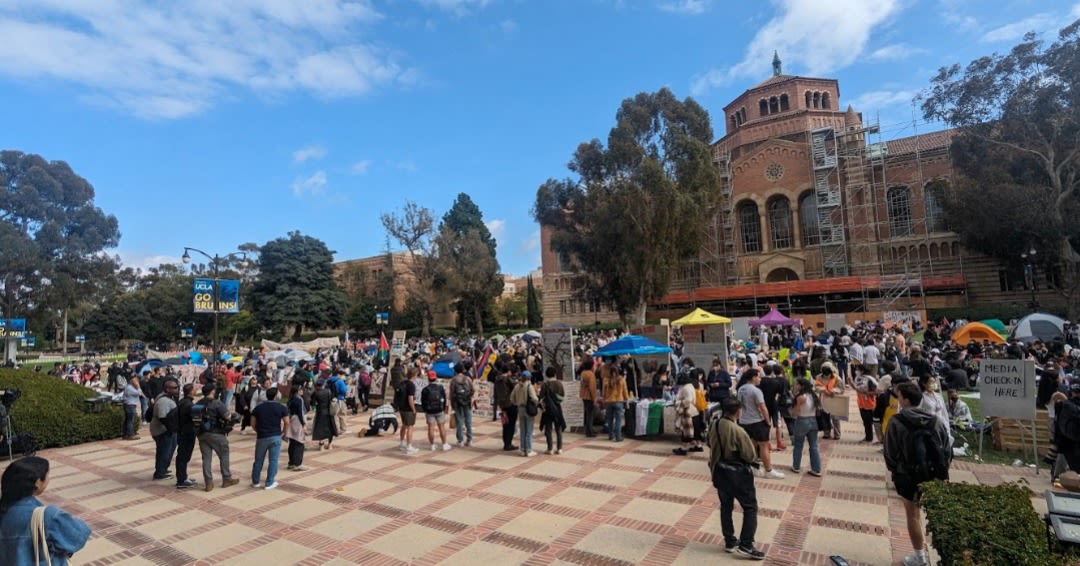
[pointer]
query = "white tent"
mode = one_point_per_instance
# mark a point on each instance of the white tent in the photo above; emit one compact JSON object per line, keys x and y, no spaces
{"x":1041,"y":326}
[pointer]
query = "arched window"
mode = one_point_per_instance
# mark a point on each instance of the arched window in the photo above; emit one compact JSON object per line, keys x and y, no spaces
{"x":774,"y":105}
{"x":898,"y":203}
{"x":809,"y":99}
{"x":780,"y":230}
{"x":763,"y":107}
{"x":825,"y":100}
{"x":817,"y":100}
{"x":808,"y":219}
{"x":933,"y":194}
{"x":742,"y":115}
{"x":749,"y":227}
{"x":734,"y":121}
{"x":784,"y":105}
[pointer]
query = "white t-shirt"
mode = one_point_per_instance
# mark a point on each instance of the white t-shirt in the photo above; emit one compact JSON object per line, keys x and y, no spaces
{"x":870,"y":355}
{"x":855,"y":352}
{"x":750,"y":397}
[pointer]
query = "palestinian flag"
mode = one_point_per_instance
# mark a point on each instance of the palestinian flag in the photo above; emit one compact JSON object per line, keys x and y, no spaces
{"x":384,"y":348}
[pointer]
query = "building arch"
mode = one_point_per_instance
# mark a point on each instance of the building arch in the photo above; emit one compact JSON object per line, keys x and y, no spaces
{"x":809,"y":99}
{"x":781,"y":231}
{"x":898,"y":208}
{"x":749,"y":226}
{"x":781,"y":274}
{"x":817,"y":100}
{"x":763,"y":108}
{"x":825,"y":100}
{"x":933,"y":206}
{"x":774,"y":105}
{"x":784,"y":104}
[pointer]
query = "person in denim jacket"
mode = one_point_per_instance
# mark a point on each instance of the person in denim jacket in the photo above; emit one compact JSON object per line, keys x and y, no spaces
{"x":65,"y":535}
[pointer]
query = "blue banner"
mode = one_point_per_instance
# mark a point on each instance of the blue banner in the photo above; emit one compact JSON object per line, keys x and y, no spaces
{"x":12,"y":327}
{"x":228,"y":295}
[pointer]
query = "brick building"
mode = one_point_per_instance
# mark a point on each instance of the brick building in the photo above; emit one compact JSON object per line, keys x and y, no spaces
{"x":818,"y":215}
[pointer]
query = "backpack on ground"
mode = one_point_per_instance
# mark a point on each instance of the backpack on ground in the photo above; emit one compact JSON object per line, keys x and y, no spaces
{"x":929,"y":458}
{"x":433,"y":398}
{"x":460,"y":393}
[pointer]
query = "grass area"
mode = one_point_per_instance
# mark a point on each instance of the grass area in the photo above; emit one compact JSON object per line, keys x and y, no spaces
{"x":990,"y":455}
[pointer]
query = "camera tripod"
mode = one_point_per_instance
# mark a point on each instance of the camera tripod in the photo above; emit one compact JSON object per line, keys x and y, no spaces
{"x":7,"y":430}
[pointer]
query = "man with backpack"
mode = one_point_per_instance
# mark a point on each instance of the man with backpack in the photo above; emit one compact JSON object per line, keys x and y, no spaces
{"x":917,"y":450}
{"x":405,"y":403}
{"x":339,"y":390}
{"x":436,"y":405}
{"x":213,"y":424}
{"x":164,"y":424}
{"x":185,"y":444}
{"x":461,"y":400}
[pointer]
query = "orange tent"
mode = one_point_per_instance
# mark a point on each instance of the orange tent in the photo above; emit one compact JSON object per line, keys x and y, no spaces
{"x":978,"y":332}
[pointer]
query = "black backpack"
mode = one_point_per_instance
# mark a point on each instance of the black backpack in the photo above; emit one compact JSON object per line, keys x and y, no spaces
{"x":200,"y":418}
{"x":401,"y":402}
{"x":1068,"y":421}
{"x":929,"y":460}
{"x":433,"y":398}
{"x":461,"y":393}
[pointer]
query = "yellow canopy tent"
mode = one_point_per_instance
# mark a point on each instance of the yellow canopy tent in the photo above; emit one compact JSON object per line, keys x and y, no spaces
{"x":700,"y":317}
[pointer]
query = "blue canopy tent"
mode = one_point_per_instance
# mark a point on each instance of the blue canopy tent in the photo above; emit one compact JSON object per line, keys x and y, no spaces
{"x":633,"y":345}
{"x":444,"y":366}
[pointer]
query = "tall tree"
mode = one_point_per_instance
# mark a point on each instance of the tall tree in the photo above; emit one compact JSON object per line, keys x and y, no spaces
{"x":51,"y":236}
{"x":414,"y":229}
{"x":467,"y":262}
{"x":1018,"y":145}
{"x":534,"y":314}
{"x":636,"y":210}
{"x":295,"y":289}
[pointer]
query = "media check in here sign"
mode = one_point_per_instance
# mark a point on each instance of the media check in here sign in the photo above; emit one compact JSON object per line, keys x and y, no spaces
{"x":1007,"y":389}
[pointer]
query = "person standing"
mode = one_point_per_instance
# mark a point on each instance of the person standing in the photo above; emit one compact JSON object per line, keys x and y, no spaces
{"x":296,"y":432}
{"x":615,"y":397}
{"x":23,"y":481}
{"x":324,"y":428}
{"x":904,"y":430}
{"x":503,"y":386}
{"x":339,"y":389}
{"x":212,"y":437}
{"x":164,"y":425}
{"x":525,"y":399}
{"x":589,"y":396}
{"x":731,"y":457}
{"x":405,"y":403}
{"x":436,"y":405}
{"x":685,"y":413}
{"x":133,"y":400}
{"x":805,"y":429}
{"x":718,"y":382}
{"x":185,"y":437}
{"x":830,"y":385}
{"x":271,"y":422}
{"x":871,"y":357}
{"x":754,"y":417}
{"x":243,"y":404}
{"x":551,"y":398}
{"x":461,"y":401}
{"x":866,"y":393}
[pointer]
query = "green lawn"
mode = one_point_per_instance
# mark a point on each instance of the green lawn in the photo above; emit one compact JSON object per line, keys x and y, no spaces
{"x":990,"y":455}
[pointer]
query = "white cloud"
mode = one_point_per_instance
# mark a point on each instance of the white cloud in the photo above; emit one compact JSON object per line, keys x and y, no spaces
{"x":361,"y":167}
{"x":882,"y":100}
{"x":144,"y":261}
{"x":315,"y":152}
{"x":456,"y":6}
{"x":497,"y":227}
{"x":1016,"y":30}
{"x":405,"y":165}
{"x":167,"y":60}
{"x":895,"y":52}
{"x":796,"y":33}
{"x":315,"y":185}
{"x":508,"y":27}
{"x":692,"y":7}
{"x":530,"y":246}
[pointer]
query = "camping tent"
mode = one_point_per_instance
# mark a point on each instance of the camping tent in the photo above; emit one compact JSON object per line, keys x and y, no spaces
{"x":978,"y":332}
{"x":1039,"y":326}
{"x":997,"y":325}
{"x":774,"y":318}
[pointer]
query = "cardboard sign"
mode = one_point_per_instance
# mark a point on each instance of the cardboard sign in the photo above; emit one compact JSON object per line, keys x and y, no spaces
{"x":1007,"y":388}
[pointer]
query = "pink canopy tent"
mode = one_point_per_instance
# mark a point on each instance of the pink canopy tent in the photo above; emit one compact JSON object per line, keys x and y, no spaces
{"x":774,"y":318}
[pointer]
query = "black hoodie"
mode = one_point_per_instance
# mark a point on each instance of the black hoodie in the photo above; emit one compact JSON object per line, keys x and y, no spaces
{"x":897,"y":445}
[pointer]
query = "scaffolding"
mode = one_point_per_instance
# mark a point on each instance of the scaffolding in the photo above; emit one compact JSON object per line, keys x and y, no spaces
{"x":828,"y":196}
{"x":719,"y":258}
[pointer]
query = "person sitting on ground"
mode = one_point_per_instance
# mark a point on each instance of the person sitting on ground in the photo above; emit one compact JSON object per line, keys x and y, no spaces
{"x":21,"y":512}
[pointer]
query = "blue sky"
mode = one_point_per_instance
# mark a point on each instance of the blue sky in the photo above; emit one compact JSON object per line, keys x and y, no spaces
{"x":209,"y":124}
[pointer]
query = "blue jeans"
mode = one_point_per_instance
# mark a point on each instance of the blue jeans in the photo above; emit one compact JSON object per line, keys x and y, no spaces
{"x":226,"y":398}
{"x":263,"y":446}
{"x":614,"y":420}
{"x":165,"y":447}
{"x":130,"y":412}
{"x":463,"y":416}
{"x":525,"y":429}
{"x":805,"y":430}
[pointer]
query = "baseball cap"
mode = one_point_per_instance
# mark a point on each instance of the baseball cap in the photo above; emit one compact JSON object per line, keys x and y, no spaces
{"x":431,"y":375}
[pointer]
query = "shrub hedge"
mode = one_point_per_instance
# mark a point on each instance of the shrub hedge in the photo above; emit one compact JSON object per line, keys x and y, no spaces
{"x":51,"y":410}
{"x":986,"y":525}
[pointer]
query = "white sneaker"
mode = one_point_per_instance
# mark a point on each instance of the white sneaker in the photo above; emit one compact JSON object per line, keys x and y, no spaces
{"x":446,"y":447}
{"x":271,"y":485}
{"x":402,"y":446}
{"x":255,"y":485}
{"x":411,"y":450}
{"x":559,"y":451}
{"x":530,"y":454}
{"x":773,"y":475}
{"x":914,"y":560}
{"x":434,"y":447}
{"x":758,"y":473}
{"x":461,"y":444}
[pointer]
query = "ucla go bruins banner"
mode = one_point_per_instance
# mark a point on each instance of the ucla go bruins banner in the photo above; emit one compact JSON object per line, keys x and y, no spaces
{"x":228,"y":295}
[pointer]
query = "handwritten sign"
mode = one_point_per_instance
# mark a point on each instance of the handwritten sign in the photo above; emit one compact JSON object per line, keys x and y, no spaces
{"x":1007,"y":388}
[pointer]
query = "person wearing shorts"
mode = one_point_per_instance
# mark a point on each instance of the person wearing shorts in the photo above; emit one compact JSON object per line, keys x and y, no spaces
{"x":408,"y":417}
{"x":436,"y":418}
{"x":754,"y":417}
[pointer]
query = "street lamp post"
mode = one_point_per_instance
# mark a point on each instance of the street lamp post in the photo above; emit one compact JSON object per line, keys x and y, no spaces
{"x":1029,"y":275}
{"x":214,"y":264}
